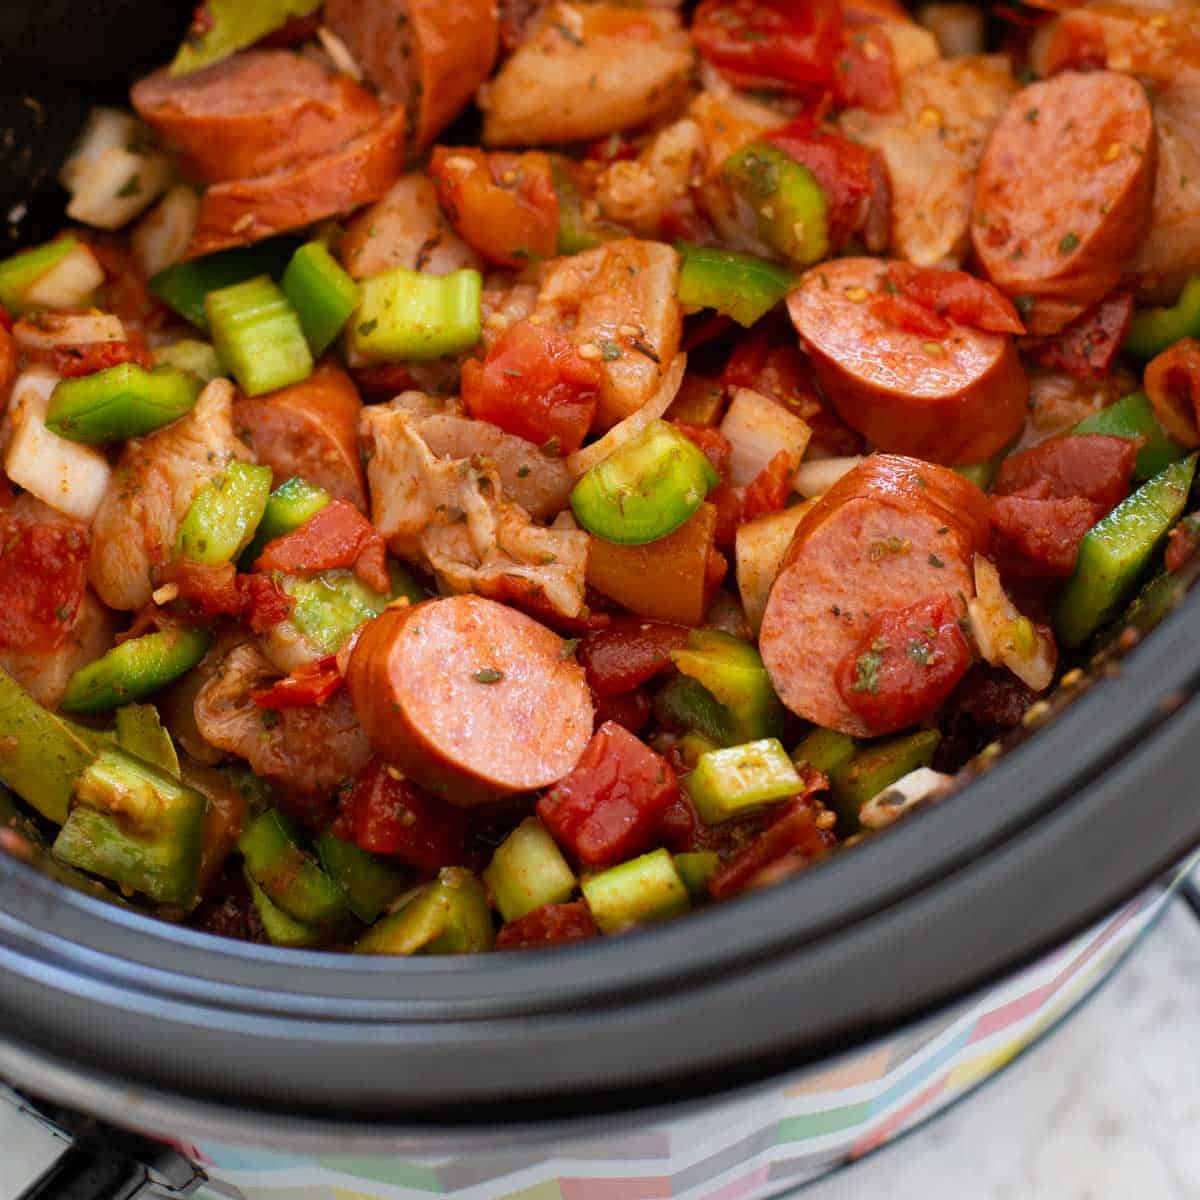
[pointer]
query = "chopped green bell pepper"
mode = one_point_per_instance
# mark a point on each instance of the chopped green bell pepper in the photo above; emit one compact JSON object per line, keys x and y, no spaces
{"x":980,"y":474}
{"x":741,"y":286}
{"x":319,"y":289}
{"x":134,"y":670}
{"x":696,"y":868}
{"x":1132,"y":417}
{"x":877,"y":766}
{"x":575,"y":232}
{"x":288,"y":507}
{"x":120,"y":402}
{"x":370,"y":882}
{"x":224,"y":514}
{"x":825,"y":750}
{"x":448,"y":916}
{"x":687,"y":706}
{"x":732,"y":671}
{"x":635,"y":892}
{"x":281,"y":929}
{"x":407,"y":315}
{"x":20,"y":272}
{"x":140,"y":732}
{"x":731,"y":782}
{"x":1115,"y":552}
{"x":1156,"y":329}
{"x":645,"y":490}
{"x":527,"y":871}
{"x":257,"y":334}
{"x":786,"y":199}
{"x":136,"y":826}
{"x":193,"y":356}
{"x":233,"y":25}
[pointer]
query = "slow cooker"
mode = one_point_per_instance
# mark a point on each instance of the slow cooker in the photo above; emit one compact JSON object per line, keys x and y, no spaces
{"x":734,"y":1054}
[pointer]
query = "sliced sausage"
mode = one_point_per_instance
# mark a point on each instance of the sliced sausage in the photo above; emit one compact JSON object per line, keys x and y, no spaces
{"x":891,"y":532}
{"x":471,"y":698}
{"x":257,"y":112}
{"x":309,"y":429}
{"x":241,"y":211}
{"x":958,"y":397}
{"x":1064,"y":192}
{"x":429,"y":55}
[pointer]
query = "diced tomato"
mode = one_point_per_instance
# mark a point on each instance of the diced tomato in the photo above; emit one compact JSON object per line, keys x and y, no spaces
{"x":903,"y":312}
{"x":988,"y":703}
{"x":6,"y":321}
{"x":534,"y":383}
{"x":502,"y":204}
{"x":866,"y":71}
{"x":961,"y":297}
{"x":615,"y":147}
{"x":777,"y":45}
{"x":628,"y":653}
{"x":1089,"y":345}
{"x":337,"y":536}
{"x":1040,"y":538}
{"x":264,"y":602}
{"x":1091,"y":465}
{"x":630,"y":710}
{"x":43,"y":576}
{"x":71,"y":362}
{"x":680,"y":828}
{"x":1075,"y":46}
{"x":716,"y":446}
{"x":908,"y":661}
{"x":208,"y":589}
{"x":550,"y":925}
{"x":293,"y":32}
{"x":769,"y":490}
{"x":9,"y":360}
{"x":388,"y":814}
{"x":715,"y":568}
{"x":609,"y":807}
{"x":851,"y":176}
{"x":792,"y":841}
{"x":306,"y":687}
{"x":728,"y":499}
{"x":384,"y":380}
{"x":1182,"y":544}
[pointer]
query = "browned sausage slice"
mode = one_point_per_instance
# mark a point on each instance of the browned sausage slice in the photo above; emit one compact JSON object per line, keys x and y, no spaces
{"x":311,"y":430}
{"x":957,"y":398}
{"x":471,"y":698}
{"x":429,"y":55}
{"x":891,"y":532}
{"x":241,"y":211}
{"x":1064,"y":190}
{"x":257,"y":112}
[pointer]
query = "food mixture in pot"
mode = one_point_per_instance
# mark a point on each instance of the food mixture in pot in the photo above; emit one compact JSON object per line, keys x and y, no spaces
{"x":484,"y":479}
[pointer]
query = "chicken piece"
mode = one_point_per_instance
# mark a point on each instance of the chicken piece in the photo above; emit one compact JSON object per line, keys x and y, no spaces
{"x":586,"y":70}
{"x":451,"y":517}
{"x":620,"y":298}
{"x":156,"y":479}
{"x":304,"y":750}
{"x":932,"y":146}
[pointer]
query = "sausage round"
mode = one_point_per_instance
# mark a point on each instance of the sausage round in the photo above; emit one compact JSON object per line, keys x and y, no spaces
{"x":429,"y":55}
{"x":471,"y":698}
{"x":892,"y":531}
{"x":257,"y":112}
{"x":1064,"y":191}
{"x":958,"y":398}
{"x":241,"y":211}
{"x":311,"y":430}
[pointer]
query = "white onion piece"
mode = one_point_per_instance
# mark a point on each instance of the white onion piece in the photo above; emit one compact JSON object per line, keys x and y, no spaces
{"x":818,"y":475}
{"x":584,"y":460}
{"x":162,"y":235}
{"x":758,"y":429}
{"x":70,"y":283}
{"x":106,"y":129}
{"x":1003,"y":636}
{"x":915,"y":788}
{"x":760,"y":547}
{"x":339,"y":54}
{"x":118,"y":185}
{"x":45,"y":330}
{"x":959,"y":28}
{"x":69,"y":477}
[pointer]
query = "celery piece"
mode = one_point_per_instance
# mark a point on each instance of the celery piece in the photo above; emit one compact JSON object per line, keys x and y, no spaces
{"x":329,"y":607}
{"x":738,"y":779}
{"x":184,"y":285}
{"x":193,"y":356}
{"x":448,"y":916}
{"x":134,"y":670}
{"x":696,"y":868}
{"x":258,"y":334}
{"x":1132,"y":417}
{"x":825,"y":750}
{"x":875,"y":767}
{"x":20,"y":272}
{"x":319,"y":289}
{"x":1156,"y":329}
{"x":732,"y":671}
{"x":232,"y":25}
{"x":224,"y":514}
{"x":405,"y":314}
{"x":740,"y":286}
{"x":120,"y":402}
{"x":288,"y":507}
{"x":140,"y":732}
{"x":281,"y":929}
{"x":370,"y":881}
{"x":635,"y":892}
{"x":527,"y":871}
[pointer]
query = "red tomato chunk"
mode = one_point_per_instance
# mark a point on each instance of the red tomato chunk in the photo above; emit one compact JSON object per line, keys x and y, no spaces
{"x":337,"y":536}
{"x":958,"y":296}
{"x":1040,"y":538}
{"x":1091,"y":465}
{"x":550,"y":925}
{"x":307,"y":686}
{"x":609,"y":807}
{"x":43,"y":574}
{"x":1090,"y":343}
{"x":628,"y":653}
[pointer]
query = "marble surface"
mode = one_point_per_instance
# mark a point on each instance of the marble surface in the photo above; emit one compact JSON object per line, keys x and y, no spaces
{"x":1106,"y":1108}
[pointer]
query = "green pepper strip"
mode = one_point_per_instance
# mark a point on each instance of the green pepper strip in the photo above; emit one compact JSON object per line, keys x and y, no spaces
{"x":20,"y":272}
{"x":233,"y":25}
{"x":1156,"y":329}
{"x":319,"y":289}
{"x":224,"y":514}
{"x":120,"y":402}
{"x":741,"y":286}
{"x":134,"y":670}
{"x":370,"y":882}
{"x":646,"y":489}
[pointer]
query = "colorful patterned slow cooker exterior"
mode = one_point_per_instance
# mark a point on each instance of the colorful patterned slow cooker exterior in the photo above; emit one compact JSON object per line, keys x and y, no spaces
{"x":759,"y":1143}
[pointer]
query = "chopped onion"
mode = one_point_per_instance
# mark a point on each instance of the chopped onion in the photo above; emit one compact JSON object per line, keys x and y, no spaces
{"x":117,"y":185}
{"x":162,"y":235}
{"x":339,"y":54}
{"x":818,"y":475}
{"x":67,"y":476}
{"x":758,"y":428}
{"x":760,"y":547}
{"x":45,"y":330}
{"x":1003,"y":636}
{"x":70,"y":283}
{"x":959,"y":28}
{"x":106,"y":129}
{"x":584,"y":460}
{"x":916,"y":788}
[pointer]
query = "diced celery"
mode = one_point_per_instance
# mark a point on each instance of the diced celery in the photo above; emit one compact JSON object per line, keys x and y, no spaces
{"x":696,"y":868}
{"x":328,"y":608}
{"x":448,"y":916}
{"x":257,"y":332}
{"x":224,"y":514}
{"x":319,"y":289}
{"x":636,"y":892}
{"x":527,"y":871}
{"x":731,"y":782}
{"x":282,"y":929}
{"x":875,"y":767}
{"x":370,"y":881}
{"x":407,"y":315}
{"x":184,"y":286}
{"x":732,"y":671}
{"x":193,"y":356}
{"x":825,"y":750}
